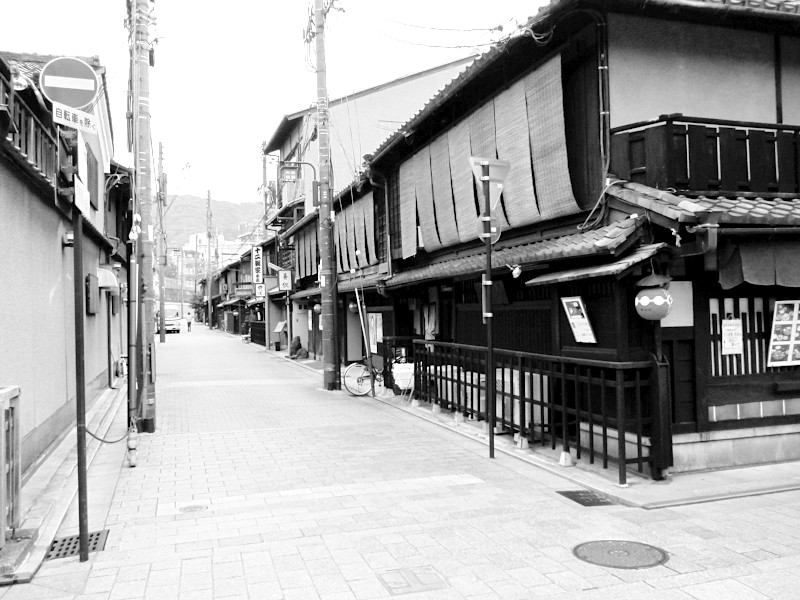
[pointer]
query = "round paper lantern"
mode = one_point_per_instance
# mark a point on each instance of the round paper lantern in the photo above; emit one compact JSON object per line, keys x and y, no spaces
{"x":653,"y":304}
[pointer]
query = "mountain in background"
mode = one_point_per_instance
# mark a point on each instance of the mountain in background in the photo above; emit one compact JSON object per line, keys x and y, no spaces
{"x":185,"y":215}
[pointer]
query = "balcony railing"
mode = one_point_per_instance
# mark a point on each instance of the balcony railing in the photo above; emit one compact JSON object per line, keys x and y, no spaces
{"x":708,"y":156}
{"x":606,"y":410}
{"x":35,"y":145}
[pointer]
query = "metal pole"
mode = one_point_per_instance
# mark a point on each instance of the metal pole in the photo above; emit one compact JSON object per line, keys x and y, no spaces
{"x":162,"y":247}
{"x":487,"y":305}
{"x":80,"y":381}
{"x":208,"y":261}
{"x":133,"y":289}
{"x":331,"y":379}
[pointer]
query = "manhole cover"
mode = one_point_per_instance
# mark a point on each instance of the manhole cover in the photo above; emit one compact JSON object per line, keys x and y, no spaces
{"x":586,"y":498}
{"x":193,"y":508}
{"x":620,"y":554}
{"x":412,"y":580}
{"x":71,"y":546}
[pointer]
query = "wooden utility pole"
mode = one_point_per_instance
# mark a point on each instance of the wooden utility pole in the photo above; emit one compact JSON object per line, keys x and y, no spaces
{"x":327,"y":277}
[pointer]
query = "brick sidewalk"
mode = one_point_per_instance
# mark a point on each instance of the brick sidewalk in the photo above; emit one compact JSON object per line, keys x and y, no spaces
{"x":258,"y":484}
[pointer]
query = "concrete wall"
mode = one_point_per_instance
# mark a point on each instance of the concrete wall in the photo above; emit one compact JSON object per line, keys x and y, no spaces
{"x":661,"y":67}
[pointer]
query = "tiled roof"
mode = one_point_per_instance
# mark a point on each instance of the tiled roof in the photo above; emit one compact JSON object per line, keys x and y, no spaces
{"x":770,"y":6}
{"x":602,"y":241}
{"x":728,"y":211}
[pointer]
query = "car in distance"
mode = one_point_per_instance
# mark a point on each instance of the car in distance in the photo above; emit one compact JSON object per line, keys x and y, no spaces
{"x":171,"y":324}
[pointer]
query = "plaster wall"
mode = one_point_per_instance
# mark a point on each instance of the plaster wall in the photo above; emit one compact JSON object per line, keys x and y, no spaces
{"x":790,"y":80}
{"x":663,"y":67}
{"x":37,"y":335}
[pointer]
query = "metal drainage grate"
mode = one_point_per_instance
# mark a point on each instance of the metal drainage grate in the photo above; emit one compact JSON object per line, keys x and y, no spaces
{"x":586,"y":498}
{"x":71,"y":546}
{"x":620,"y":554}
{"x":412,"y":580}
{"x":193,"y":508}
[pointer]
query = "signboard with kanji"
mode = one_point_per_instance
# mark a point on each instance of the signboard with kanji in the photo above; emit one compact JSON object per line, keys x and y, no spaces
{"x":69,"y":81}
{"x":284,"y":281}
{"x":72,"y":117}
{"x":258,"y":264}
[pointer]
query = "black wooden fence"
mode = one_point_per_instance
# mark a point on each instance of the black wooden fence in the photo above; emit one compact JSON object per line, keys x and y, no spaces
{"x":606,"y":410}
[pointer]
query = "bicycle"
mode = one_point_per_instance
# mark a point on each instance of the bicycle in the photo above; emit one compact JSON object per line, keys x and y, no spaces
{"x":357,"y":379}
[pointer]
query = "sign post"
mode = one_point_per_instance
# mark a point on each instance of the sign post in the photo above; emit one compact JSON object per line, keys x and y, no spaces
{"x":489,"y":173}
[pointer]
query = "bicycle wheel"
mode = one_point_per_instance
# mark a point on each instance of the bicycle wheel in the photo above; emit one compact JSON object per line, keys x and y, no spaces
{"x":356,"y":379}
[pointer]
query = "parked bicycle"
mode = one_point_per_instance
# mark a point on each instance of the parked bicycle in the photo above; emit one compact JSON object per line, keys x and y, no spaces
{"x":357,"y":380}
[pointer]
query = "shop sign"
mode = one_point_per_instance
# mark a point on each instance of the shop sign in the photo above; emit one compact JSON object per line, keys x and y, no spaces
{"x":784,"y":339}
{"x":578,"y":320}
{"x":257,"y":256}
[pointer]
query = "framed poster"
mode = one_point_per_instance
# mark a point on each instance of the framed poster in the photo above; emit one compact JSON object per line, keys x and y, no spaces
{"x":784,"y":337}
{"x":578,"y":320}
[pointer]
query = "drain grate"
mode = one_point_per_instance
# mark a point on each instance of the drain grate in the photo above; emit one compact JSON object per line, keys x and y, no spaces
{"x":621,"y":554}
{"x":586,"y":498}
{"x":71,"y":546}
{"x":412,"y":580}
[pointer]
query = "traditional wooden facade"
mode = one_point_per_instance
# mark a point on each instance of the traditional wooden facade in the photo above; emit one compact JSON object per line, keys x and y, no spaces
{"x":632,"y":168}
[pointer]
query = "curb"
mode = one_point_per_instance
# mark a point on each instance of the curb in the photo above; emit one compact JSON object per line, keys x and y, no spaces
{"x":54,"y":486}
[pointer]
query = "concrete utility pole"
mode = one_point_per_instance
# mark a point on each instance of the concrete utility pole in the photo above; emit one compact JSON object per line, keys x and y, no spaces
{"x":327,"y":277}
{"x":208,"y":259}
{"x":162,"y":239}
{"x":142,"y":162}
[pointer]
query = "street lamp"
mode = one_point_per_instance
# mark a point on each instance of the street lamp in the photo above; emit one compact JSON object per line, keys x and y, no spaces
{"x":490,"y":173}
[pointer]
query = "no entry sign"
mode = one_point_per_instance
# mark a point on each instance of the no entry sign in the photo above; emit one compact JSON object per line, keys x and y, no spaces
{"x":69,"y":81}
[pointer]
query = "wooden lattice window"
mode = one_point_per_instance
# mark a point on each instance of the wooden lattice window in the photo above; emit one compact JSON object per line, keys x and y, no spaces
{"x":756,"y":315}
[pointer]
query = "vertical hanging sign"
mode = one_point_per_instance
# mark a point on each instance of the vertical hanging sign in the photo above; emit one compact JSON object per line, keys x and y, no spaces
{"x":257,"y":257}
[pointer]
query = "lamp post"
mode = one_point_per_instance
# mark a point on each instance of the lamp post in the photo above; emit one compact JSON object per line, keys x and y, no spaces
{"x":490,"y":173}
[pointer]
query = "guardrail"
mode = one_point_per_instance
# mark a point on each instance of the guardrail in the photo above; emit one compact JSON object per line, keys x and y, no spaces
{"x":602,"y":408}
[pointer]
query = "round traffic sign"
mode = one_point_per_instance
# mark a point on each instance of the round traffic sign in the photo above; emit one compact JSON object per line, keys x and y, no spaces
{"x":69,"y":81}
{"x":494,"y":228}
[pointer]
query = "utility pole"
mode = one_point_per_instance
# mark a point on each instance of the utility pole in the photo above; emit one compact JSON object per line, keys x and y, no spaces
{"x":327,"y":283}
{"x":162,"y":239}
{"x":208,"y":259}
{"x":142,"y":162}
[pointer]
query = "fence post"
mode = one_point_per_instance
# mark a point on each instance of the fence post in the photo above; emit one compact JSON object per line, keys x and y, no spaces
{"x":621,"y":453}
{"x":661,"y":435}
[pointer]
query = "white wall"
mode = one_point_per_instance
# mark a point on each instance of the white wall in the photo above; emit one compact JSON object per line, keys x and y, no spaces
{"x":661,"y":67}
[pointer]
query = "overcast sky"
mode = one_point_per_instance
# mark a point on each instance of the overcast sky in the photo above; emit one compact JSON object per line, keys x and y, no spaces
{"x":227,"y":72}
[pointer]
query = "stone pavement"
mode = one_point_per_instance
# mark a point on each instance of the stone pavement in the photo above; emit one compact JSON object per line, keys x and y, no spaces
{"x":258,"y":484}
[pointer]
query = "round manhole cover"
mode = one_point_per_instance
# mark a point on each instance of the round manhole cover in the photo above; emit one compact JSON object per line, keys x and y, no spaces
{"x":620,"y":554}
{"x":193,"y":508}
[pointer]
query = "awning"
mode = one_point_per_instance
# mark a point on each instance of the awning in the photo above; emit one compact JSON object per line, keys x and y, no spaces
{"x":609,"y":240}
{"x":365,"y":283}
{"x":760,"y":262}
{"x":106,"y":278}
{"x":255,"y":301}
{"x":617,"y":268}
{"x":232,"y":301}
{"x":306,"y":293}
{"x":275,"y":292}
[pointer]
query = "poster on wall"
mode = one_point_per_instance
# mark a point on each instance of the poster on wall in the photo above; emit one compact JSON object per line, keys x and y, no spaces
{"x":732,"y":338}
{"x":375,"y":331}
{"x":578,"y":320}
{"x":784,"y":338}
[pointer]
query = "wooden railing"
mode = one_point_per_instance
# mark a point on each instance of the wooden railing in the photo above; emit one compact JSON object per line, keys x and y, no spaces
{"x":712,"y":156}
{"x":35,"y":145}
{"x":604,"y":409}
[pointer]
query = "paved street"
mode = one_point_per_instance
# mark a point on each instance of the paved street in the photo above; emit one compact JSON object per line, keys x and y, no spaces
{"x":258,"y":484}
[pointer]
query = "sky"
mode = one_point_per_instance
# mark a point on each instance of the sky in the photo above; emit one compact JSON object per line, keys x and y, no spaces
{"x":227,"y":72}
